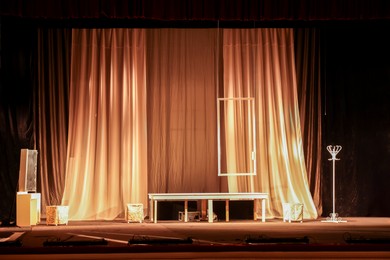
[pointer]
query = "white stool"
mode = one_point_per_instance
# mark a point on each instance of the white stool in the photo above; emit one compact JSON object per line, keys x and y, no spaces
{"x":135,"y":212}
{"x":292,"y":212}
{"x":56,"y":215}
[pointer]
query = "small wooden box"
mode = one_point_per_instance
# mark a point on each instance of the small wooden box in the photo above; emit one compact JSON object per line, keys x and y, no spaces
{"x":57,"y":215}
{"x":192,"y":216}
{"x":135,"y":212}
{"x":292,"y":212}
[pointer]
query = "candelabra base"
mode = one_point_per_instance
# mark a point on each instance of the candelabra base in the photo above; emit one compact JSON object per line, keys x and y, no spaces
{"x":333,"y":218}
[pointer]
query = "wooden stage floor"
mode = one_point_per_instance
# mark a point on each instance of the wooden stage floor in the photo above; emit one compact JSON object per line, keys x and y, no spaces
{"x":363,"y":238}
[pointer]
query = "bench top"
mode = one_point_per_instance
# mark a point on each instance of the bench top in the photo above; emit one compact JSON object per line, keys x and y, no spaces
{"x":207,"y":196}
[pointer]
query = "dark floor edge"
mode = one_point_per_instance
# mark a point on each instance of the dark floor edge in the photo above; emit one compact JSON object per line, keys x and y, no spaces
{"x":196,"y":248}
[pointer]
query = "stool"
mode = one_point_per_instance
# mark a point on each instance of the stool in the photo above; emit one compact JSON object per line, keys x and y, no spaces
{"x":292,"y":212}
{"x":135,"y":212}
{"x":56,"y":215}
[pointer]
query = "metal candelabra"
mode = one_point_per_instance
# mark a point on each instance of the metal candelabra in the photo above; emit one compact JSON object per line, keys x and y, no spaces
{"x":334,"y":217}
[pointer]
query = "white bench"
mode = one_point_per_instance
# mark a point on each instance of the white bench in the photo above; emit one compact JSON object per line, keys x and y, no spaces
{"x":210,"y":197}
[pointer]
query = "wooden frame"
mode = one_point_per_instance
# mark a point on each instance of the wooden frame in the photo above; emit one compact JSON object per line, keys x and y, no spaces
{"x":251,"y":119}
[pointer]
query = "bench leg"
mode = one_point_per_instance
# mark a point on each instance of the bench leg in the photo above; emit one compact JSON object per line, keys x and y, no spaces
{"x":211,"y":211}
{"x":227,"y":210}
{"x":263,"y":210}
{"x":203,"y":208}
{"x":186,"y":211}
{"x":151,"y":212}
{"x":155,"y":211}
{"x":255,"y":208}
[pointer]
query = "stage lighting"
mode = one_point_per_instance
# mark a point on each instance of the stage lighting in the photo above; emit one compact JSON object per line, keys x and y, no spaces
{"x":7,"y":223}
{"x":277,"y":240}
{"x":57,"y":242}
{"x":159,"y":241}
{"x":16,"y":243}
{"x":368,"y":241}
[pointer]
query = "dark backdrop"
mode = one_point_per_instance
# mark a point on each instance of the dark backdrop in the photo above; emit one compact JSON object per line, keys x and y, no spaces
{"x":356,"y":94}
{"x":17,"y":45}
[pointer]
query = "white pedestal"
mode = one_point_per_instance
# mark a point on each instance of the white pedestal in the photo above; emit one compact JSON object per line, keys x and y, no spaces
{"x":28,"y":209}
{"x":292,"y":212}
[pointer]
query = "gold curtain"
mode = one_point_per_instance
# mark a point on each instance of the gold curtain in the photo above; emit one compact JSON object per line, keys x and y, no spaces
{"x":107,"y":156}
{"x":260,"y":63}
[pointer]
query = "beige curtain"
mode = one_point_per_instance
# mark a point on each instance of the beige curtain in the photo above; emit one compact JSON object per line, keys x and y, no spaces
{"x":107,"y":155}
{"x":260,"y":63}
{"x":142,"y":117}
{"x":182,"y":144}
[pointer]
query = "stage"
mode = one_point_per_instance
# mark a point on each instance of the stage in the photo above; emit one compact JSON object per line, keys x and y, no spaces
{"x":238,"y":239}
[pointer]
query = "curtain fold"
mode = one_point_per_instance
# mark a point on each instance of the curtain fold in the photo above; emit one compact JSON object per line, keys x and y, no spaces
{"x":238,"y":82}
{"x":307,"y":50}
{"x":52,"y":117}
{"x":106,"y":160}
{"x":271,"y":78}
{"x":182,"y":144}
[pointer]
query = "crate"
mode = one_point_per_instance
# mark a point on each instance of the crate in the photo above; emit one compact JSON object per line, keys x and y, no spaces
{"x":57,"y":215}
{"x":192,"y":216}
{"x":292,"y":212}
{"x":135,"y":212}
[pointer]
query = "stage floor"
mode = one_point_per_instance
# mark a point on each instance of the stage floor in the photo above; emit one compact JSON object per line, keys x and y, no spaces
{"x":357,"y":238}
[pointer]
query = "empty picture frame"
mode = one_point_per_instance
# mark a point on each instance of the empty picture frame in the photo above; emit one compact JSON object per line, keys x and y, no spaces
{"x":236,"y":126}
